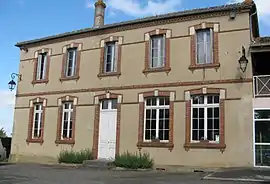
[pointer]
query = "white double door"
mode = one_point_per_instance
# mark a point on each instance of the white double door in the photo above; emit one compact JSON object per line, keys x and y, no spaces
{"x":107,"y":130}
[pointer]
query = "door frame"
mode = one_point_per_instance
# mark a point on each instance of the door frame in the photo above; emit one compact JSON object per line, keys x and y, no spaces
{"x":253,"y":137}
{"x":97,"y":100}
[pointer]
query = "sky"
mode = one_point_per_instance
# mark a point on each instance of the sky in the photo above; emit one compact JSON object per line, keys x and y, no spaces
{"x":30,"y":19}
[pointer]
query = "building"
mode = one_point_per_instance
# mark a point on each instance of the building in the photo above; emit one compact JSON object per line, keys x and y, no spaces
{"x":170,"y":85}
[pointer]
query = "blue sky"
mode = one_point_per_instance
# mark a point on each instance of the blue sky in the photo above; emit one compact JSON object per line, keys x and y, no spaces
{"x":30,"y":19}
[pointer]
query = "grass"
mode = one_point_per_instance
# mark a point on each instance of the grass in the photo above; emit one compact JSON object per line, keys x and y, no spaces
{"x":72,"y":157}
{"x":134,"y":161}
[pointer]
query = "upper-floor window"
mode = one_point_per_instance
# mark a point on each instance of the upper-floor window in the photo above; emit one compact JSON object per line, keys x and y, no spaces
{"x":67,"y":123}
{"x":205,"y":118}
{"x":37,"y":124}
{"x":157,"y":51}
{"x":204,"y":46}
{"x":110,"y":62}
{"x":70,"y":68}
{"x":41,"y":66}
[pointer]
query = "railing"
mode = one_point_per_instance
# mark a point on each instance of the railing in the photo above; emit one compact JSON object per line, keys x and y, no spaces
{"x":261,"y":85}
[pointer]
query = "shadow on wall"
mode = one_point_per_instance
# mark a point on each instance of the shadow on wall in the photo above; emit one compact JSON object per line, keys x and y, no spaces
{"x":5,"y":147}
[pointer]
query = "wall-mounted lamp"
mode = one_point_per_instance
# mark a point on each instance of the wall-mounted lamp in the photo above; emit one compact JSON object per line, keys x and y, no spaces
{"x":12,"y":83}
{"x":243,"y":61}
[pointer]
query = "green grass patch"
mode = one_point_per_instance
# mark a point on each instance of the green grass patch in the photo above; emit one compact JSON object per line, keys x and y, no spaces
{"x":72,"y":157}
{"x":134,"y":161}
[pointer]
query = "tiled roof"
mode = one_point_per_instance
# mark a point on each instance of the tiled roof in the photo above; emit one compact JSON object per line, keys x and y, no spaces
{"x":228,"y":7}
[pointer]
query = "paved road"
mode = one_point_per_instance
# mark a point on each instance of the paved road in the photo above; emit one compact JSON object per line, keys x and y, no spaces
{"x":40,"y":174}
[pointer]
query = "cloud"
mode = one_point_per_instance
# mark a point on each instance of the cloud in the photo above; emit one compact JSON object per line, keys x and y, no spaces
{"x":136,"y":9}
{"x":263,"y":7}
{"x":7,"y":98}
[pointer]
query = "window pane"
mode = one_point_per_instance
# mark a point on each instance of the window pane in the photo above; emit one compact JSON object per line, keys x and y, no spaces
{"x":201,"y":123}
{"x":210,"y":112}
{"x":201,"y":112}
{"x":36,"y":133}
{"x":216,"y":123}
{"x":201,"y":134}
{"x":262,"y":154}
{"x":153,"y":134}
{"x":70,"y":133}
{"x":262,"y":131}
{"x":210,"y":135}
{"x":195,"y":124}
{"x":200,"y":53}
{"x":161,"y":114}
{"x":195,"y":112}
{"x":70,"y":124}
{"x":114,"y":104}
{"x":166,"y":135}
{"x":147,"y":134}
{"x":209,"y":99}
{"x":216,"y":112}
{"x":147,"y":124}
{"x":36,"y":117}
{"x":64,"y":133}
{"x":167,"y":123}
{"x":161,"y":101}
{"x":153,"y":124}
{"x":65,"y":125}
{"x":216,"y":135}
{"x":148,"y":102}
{"x":167,"y":113}
{"x":105,"y":104}
{"x":198,"y":99}
{"x":154,"y":114}
{"x":65,"y":116}
{"x":210,"y":124}
{"x":167,"y":101}
{"x":154,"y":101}
{"x":148,"y":113}
{"x":161,"y":134}
{"x":195,"y":135}
{"x":262,"y":114}
{"x":216,"y":99}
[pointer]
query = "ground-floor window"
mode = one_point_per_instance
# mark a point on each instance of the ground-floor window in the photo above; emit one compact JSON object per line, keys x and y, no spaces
{"x":157,"y":118}
{"x":262,"y":137}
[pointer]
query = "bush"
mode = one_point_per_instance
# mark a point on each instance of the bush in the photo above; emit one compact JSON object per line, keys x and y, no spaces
{"x":134,"y":161}
{"x":72,"y":157}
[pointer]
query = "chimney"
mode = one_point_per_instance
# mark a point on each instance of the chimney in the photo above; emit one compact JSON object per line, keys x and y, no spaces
{"x":99,"y":13}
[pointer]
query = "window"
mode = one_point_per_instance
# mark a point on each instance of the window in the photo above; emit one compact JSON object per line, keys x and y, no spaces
{"x":41,"y":66}
{"x":67,"y":121}
{"x":205,"y":123}
{"x":37,"y":124}
{"x":110,"y":64}
{"x":204,"y":46}
{"x":157,"y":51}
{"x":70,"y":69}
{"x":157,"y":119}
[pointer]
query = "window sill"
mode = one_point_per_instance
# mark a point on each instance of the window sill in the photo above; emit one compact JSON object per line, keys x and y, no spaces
{"x":154,"y":70}
{"x":201,"y":66}
{"x":43,"y":81}
{"x":69,"y":78}
{"x":205,"y":145}
{"x":156,"y":145}
{"x":111,"y":74}
{"x":65,"y":141}
{"x":39,"y":140}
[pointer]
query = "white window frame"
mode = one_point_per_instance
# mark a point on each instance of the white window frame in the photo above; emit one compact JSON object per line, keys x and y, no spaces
{"x":161,"y":48}
{"x":40,"y":112}
{"x":205,"y":106}
{"x":69,"y":110}
{"x":73,"y":67}
{"x":41,"y":74}
{"x":157,"y":107}
{"x":113,"y":56}
{"x":205,"y":42}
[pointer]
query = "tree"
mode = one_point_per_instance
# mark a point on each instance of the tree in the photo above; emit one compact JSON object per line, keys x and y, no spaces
{"x":3,"y":133}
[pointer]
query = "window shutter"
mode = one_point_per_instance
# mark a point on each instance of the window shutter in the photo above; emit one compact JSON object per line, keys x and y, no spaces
{"x":38,"y":66}
{"x":105,"y":58}
{"x":74,"y":62}
{"x":44,"y":66}
{"x":211,"y":45}
{"x":115,"y":61}
{"x":150,"y":61}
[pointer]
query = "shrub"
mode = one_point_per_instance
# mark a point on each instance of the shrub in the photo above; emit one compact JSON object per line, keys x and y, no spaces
{"x":134,"y":161}
{"x":73,"y":157}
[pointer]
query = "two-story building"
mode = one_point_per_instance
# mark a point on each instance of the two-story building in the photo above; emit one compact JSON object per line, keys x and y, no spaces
{"x":170,"y":85}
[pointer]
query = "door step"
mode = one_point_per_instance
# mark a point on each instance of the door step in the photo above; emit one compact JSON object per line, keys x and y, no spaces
{"x":98,"y":164}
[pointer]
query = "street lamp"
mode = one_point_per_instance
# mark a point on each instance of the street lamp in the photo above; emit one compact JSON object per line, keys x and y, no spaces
{"x":12,"y":83}
{"x":243,"y":61}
